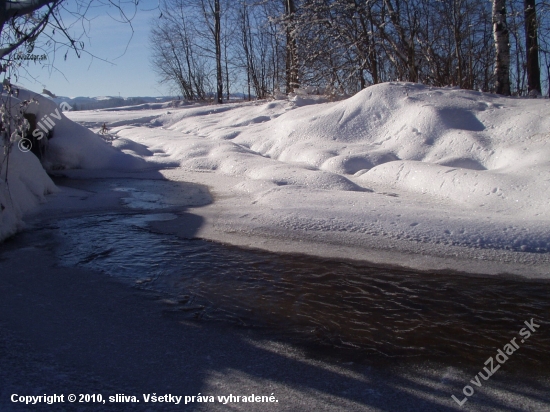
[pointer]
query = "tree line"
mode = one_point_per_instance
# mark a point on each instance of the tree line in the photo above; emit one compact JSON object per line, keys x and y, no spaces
{"x":218,"y":48}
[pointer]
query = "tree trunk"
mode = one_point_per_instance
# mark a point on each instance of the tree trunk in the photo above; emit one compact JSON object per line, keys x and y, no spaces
{"x":217,"y":39}
{"x":244,"y":31}
{"x":502,"y":48}
{"x":532,"y":47}
{"x":291,"y":48}
{"x":227,"y":85}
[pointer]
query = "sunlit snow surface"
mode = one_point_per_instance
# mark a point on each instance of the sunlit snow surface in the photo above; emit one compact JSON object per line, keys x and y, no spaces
{"x":396,"y":164}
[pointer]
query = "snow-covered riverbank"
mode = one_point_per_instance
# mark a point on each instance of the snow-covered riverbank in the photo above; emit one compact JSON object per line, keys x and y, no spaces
{"x":398,"y":174}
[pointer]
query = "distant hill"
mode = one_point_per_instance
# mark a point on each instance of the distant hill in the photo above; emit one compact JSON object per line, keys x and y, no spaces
{"x":133,"y":103}
{"x":106,"y":102}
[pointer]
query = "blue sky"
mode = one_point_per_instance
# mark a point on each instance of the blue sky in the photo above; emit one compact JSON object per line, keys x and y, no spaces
{"x":130,"y":73}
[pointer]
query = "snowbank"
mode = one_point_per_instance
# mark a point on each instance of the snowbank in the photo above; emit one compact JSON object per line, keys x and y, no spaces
{"x":397,"y":164}
{"x":70,"y":146}
{"x":73,"y":146}
{"x":28,"y":184}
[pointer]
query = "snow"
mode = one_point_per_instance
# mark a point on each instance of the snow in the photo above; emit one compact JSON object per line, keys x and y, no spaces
{"x":72,"y":146}
{"x":28,"y":185}
{"x":398,"y":167}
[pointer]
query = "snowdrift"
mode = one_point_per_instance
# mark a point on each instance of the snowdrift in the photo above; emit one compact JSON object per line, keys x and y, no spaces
{"x":70,"y":146}
{"x":397,"y":162}
{"x":28,"y":186}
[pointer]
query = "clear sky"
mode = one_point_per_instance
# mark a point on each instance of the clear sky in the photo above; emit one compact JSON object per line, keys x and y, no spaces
{"x":130,"y":73}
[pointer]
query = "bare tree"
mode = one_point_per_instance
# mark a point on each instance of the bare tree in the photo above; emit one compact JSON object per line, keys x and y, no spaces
{"x":218,"y":42}
{"x":292,"y":81}
{"x":502,"y":48}
{"x":212,"y":18}
{"x":403,"y":19}
{"x":532,"y":46}
{"x":255,"y":76}
{"x":346,"y":45}
{"x":50,"y":26}
{"x":192,"y":47}
{"x":516,"y":29}
{"x":174,"y":56}
{"x":24,"y":23}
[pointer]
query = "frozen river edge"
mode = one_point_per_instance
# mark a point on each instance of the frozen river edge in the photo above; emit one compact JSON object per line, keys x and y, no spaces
{"x":225,"y":218}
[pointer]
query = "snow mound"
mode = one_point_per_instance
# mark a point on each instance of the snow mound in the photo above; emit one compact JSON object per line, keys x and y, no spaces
{"x":394,"y":121}
{"x":398,"y":165}
{"x":73,"y":146}
{"x":463,"y":146}
{"x":27,"y":186}
{"x":460,"y":146}
{"x":469,"y":188}
{"x":69,"y":146}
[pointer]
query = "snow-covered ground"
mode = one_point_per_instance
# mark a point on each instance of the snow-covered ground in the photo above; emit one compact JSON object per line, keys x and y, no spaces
{"x":398,"y":174}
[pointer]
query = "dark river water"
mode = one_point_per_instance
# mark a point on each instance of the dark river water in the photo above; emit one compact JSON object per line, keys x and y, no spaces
{"x":341,"y":307}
